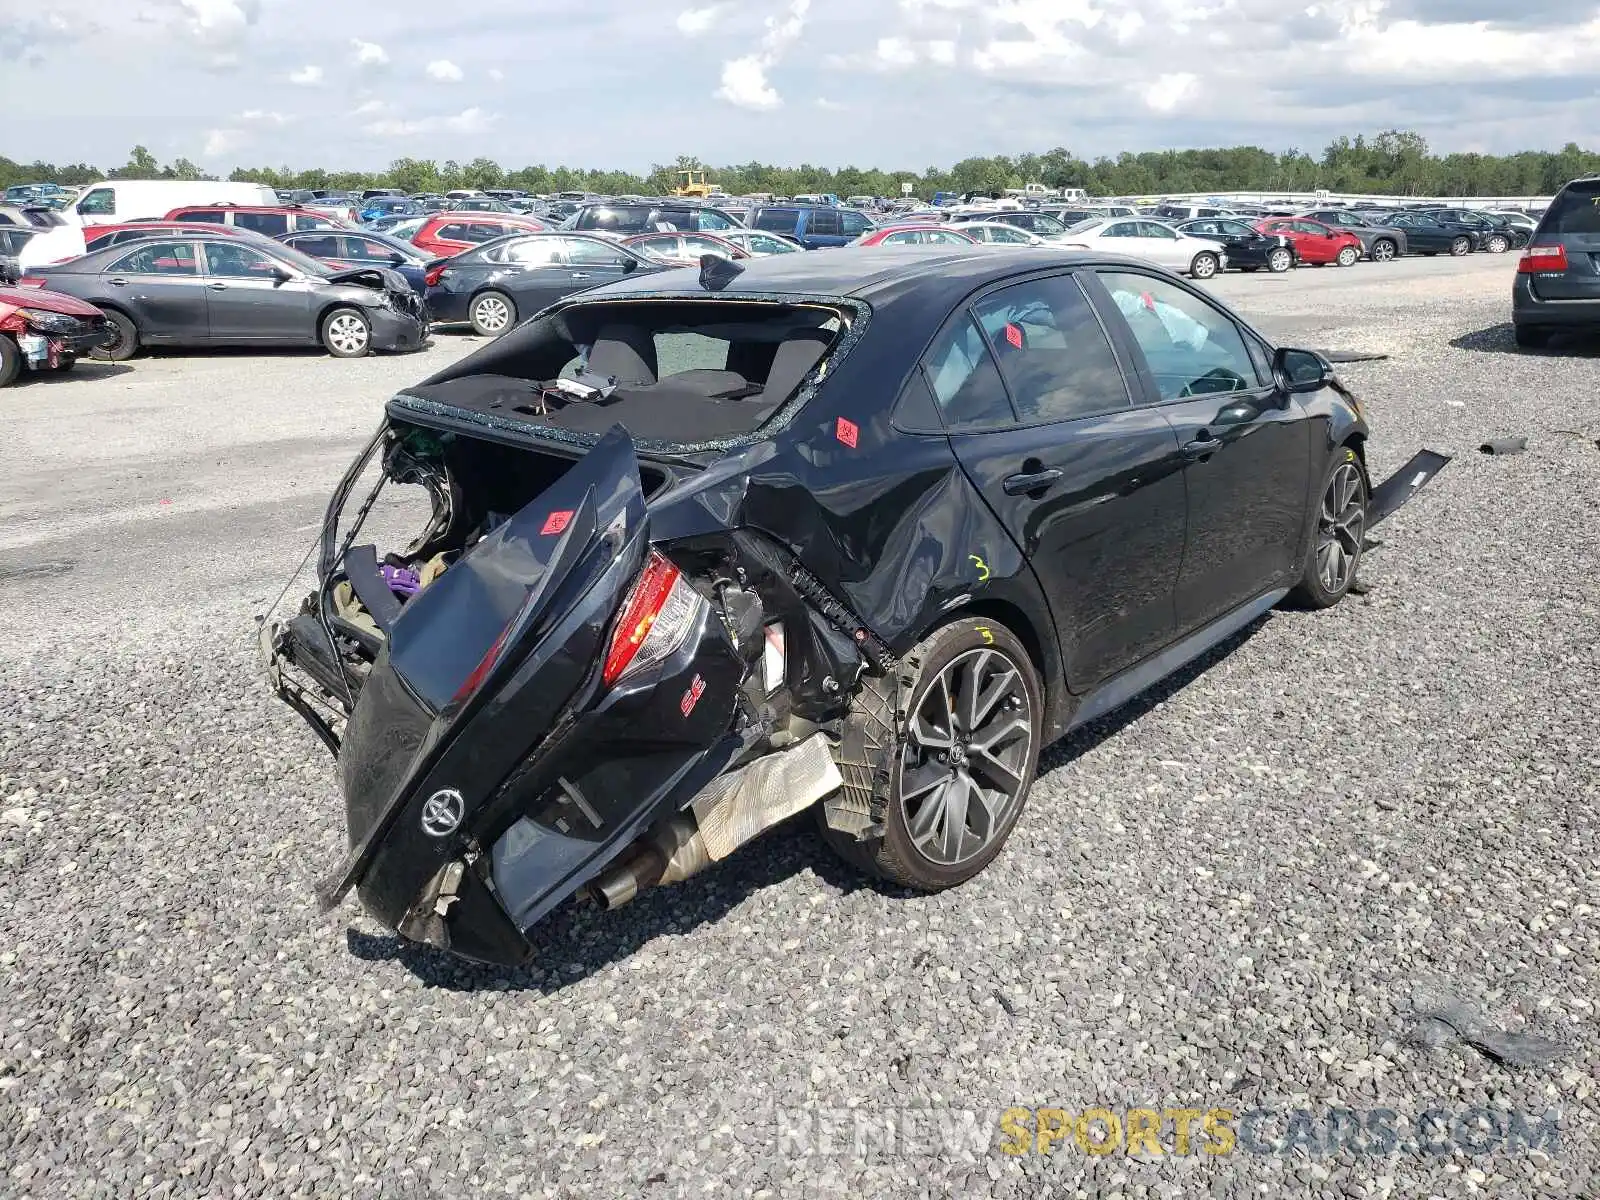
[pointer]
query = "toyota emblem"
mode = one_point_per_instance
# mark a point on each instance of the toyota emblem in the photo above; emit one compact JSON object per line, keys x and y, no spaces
{"x":441,"y":813}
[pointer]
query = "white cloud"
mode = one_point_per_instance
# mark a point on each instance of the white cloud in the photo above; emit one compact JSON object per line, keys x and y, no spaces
{"x":896,"y":52}
{"x":496,"y":75}
{"x":220,"y":142}
{"x":468,"y":121}
{"x":370,"y":108}
{"x":306,"y":76}
{"x":900,"y":53}
{"x":218,"y":22}
{"x":442,"y":70}
{"x":262,"y":117}
{"x":744,"y":79}
{"x":1169,"y":91}
{"x":694,"y":21}
{"x":369,"y":54}
{"x":744,"y":84}
{"x":830,"y":105}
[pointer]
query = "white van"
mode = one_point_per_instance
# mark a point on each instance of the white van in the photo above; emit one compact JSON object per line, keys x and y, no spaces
{"x":112,"y":201}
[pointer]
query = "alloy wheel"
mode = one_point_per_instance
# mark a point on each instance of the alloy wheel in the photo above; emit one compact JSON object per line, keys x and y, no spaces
{"x":1383,"y":251}
{"x":1279,"y":261}
{"x":491,"y":315}
{"x":966,"y":756}
{"x":1341,"y":526}
{"x":1498,"y":245}
{"x":347,"y":333}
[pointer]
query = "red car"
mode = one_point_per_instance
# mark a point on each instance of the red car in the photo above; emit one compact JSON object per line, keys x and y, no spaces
{"x":269,"y":222}
{"x":1315,"y":242}
{"x":923,"y":234}
{"x":446,"y":234}
{"x":98,"y":237}
{"x":46,"y":331}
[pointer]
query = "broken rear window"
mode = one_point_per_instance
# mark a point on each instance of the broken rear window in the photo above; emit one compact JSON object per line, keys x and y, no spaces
{"x":676,"y":372}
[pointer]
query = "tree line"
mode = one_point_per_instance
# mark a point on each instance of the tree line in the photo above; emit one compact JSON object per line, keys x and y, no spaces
{"x":1394,"y":162}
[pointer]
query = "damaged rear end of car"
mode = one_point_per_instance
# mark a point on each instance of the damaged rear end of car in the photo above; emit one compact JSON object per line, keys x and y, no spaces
{"x":583,"y":673}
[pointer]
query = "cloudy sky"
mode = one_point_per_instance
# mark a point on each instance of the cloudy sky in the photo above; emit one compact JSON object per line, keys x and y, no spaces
{"x":892,"y":83}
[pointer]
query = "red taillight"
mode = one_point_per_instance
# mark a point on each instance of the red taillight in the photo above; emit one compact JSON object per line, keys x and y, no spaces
{"x":431,"y":278}
{"x":32,"y":281}
{"x":481,"y":672}
{"x":645,"y":602}
{"x":1538,"y":259}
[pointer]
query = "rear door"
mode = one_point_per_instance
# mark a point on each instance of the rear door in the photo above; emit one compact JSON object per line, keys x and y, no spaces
{"x":1246,"y":447}
{"x":1572,"y":222}
{"x":163,"y":290}
{"x":822,"y":228}
{"x":1090,"y":486}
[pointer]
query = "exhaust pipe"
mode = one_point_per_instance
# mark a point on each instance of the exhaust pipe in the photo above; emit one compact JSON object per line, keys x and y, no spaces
{"x":732,"y":810}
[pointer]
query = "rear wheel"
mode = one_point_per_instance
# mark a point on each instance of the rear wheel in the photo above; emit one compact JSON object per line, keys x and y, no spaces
{"x":1348,"y":256}
{"x":960,"y":776}
{"x":1280,"y":260}
{"x":1204,"y":265}
{"x":1340,"y":535}
{"x":10,"y":360}
{"x":492,"y":314}
{"x":1383,"y":250}
{"x":1498,"y":244}
{"x":346,"y":333}
{"x":1531,"y":337}
{"x":1460,"y":246}
{"x":124,"y":343}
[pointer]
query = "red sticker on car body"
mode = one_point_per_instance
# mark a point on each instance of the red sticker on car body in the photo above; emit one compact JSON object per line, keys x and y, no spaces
{"x":557,"y":521}
{"x":847,"y":432}
{"x":692,"y":696}
{"x":1014,"y":335}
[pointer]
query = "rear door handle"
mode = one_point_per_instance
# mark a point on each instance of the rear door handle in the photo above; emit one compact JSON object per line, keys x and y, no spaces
{"x":1201,"y":448}
{"x":118,"y":282}
{"x":581,"y":275}
{"x":217,"y":287}
{"x":1033,"y":481}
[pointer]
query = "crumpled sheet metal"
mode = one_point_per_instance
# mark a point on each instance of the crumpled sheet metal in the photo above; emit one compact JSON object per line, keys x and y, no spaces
{"x":1443,"y":1020}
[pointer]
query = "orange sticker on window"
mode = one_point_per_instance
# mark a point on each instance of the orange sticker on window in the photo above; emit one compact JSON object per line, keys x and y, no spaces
{"x":846,"y":432}
{"x":1014,"y":335}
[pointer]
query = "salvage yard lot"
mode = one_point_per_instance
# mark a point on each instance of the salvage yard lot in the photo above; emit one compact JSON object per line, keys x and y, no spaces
{"x":1229,"y":895}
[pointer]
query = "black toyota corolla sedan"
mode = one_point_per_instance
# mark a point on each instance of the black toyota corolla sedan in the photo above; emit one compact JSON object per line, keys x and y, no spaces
{"x":495,"y":285}
{"x":859,"y":533}
{"x":1248,"y":248}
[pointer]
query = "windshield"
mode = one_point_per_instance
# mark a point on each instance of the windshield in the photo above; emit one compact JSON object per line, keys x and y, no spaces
{"x":406,"y":230}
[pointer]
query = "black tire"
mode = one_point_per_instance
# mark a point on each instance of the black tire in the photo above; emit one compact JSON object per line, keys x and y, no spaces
{"x":1280,"y":260}
{"x":1249,"y":270}
{"x":1348,"y":256}
{"x":1530,"y":337}
{"x":126,"y":342}
{"x":1348,"y":530}
{"x":967,"y":643}
{"x":492,"y":313}
{"x":1385,"y":250}
{"x":1205,"y":265}
{"x":1459,"y":246}
{"x":66,"y":362}
{"x":346,"y":332}
{"x":10,"y":360}
{"x":1498,"y":243}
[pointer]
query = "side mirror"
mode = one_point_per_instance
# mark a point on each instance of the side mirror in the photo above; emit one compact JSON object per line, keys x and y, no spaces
{"x":397,"y":259}
{"x":281,"y":275}
{"x":1296,"y":371}
{"x":629,"y":266}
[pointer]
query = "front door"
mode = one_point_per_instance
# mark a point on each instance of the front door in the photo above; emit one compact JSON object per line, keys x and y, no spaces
{"x":1246,"y":446}
{"x":250,"y":299}
{"x":1089,"y":485}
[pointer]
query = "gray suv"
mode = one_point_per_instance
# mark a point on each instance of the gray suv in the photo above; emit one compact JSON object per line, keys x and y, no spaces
{"x":1558,"y":280}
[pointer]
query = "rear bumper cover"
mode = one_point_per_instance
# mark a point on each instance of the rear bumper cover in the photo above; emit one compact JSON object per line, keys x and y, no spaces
{"x":1528,"y":308}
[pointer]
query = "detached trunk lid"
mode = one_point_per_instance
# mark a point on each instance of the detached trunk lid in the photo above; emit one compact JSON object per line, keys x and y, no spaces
{"x":479,"y":621}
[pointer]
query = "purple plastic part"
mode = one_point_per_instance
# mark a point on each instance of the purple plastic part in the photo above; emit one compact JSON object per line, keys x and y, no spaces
{"x":402,"y":581}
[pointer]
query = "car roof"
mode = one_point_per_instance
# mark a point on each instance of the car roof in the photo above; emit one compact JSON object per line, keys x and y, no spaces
{"x":870,"y":273}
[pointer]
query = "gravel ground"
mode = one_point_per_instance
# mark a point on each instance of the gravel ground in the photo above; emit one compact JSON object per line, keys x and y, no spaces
{"x":1233,"y":895}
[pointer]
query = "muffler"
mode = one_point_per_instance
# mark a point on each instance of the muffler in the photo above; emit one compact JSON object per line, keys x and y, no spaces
{"x":732,"y":810}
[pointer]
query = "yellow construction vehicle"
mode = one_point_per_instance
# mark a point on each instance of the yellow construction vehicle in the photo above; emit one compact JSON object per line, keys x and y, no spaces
{"x":694,"y":184}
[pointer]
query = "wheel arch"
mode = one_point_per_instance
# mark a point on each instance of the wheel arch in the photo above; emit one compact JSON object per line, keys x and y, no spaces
{"x":1048,"y":666}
